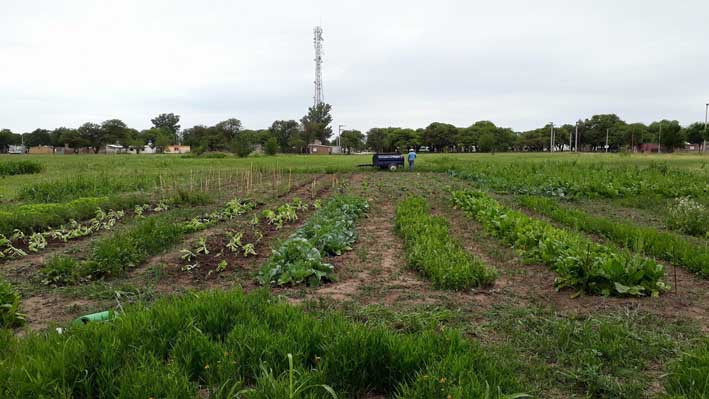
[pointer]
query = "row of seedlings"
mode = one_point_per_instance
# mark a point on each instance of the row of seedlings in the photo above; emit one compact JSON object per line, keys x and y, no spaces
{"x":242,"y":242}
{"x":578,"y":262}
{"x":126,"y":249}
{"x":651,"y":242}
{"x":432,"y":251}
{"x":329,"y":231}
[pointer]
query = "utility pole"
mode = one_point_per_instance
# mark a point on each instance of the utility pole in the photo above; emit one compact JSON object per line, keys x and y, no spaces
{"x":569,"y":140}
{"x":659,"y":140}
{"x":339,"y":134}
{"x":607,"y":131}
{"x":576,"y":146}
{"x":551,"y":137}
{"x":706,"y":113}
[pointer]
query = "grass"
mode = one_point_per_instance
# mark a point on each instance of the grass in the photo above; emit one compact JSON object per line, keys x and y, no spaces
{"x":223,"y":342}
{"x":431,"y":250}
{"x":23,"y":167}
{"x":688,"y":376}
{"x":73,"y":187}
{"x":663,"y":245}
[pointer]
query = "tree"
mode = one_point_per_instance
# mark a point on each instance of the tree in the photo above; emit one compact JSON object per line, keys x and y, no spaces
{"x":352,"y":140}
{"x":487,"y":142}
{"x":316,"y":123}
{"x":672,"y":134}
{"x":402,"y":139}
{"x":114,"y":131}
{"x":38,"y":137}
{"x":228,"y":129}
{"x":73,"y":139}
{"x":695,"y":133}
{"x":271,"y":146}
{"x":282,"y":131}
{"x":169,"y":122}
{"x":596,"y":128}
{"x":439,"y":136}
{"x":376,"y":139}
{"x":93,"y":135}
{"x":8,"y":138}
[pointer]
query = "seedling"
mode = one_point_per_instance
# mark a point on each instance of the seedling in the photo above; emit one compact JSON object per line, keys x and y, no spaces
{"x":202,"y":246}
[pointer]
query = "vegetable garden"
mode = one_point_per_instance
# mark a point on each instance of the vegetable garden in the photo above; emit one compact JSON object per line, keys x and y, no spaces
{"x":294,"y":277}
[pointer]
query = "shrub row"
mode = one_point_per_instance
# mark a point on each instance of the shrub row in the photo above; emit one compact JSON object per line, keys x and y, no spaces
{"x":329,"y":231}
{"x":431,"y":250}
{"x":649,"y":241}
{"x":10,"y":168}
{"x":228,"y":344}
{"x":578,"y":262}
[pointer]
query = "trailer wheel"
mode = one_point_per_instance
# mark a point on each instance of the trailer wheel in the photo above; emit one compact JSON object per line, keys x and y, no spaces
{"x":392,"y":168}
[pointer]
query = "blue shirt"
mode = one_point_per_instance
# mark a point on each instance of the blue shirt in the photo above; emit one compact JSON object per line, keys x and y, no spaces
{"x":412,"y":156}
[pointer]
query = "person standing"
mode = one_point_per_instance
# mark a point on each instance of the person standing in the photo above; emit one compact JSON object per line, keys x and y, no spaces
{"x":412,"y":158}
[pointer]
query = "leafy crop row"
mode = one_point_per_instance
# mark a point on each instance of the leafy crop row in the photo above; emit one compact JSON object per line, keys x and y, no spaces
{"x":128,"y":248}
{"x":9,"y":168}
{"x":649,"y":241}
{"x":329,"y":231}
{"x":231,"y":345}
{"x":572,"y":179}
{"x":431,"y":250}
{"x":578,"y":262}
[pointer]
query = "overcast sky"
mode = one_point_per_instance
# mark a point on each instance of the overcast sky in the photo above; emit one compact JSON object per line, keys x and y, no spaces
{"x":406,"y":63}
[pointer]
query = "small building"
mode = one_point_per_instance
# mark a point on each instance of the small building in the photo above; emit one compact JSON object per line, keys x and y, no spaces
{"x":16,"y":149}
{"x":115,"y":149}
{"x":648,"y":147}
{"x":177,"y":149}
{"x":318,"y":148}
{"x":41,"y":149}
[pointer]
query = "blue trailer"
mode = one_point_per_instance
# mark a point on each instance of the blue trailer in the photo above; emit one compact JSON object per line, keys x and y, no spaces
{"x":389,"y":160}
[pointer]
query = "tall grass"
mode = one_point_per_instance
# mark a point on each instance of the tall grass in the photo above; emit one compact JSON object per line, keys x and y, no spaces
{"x":431,"y":250}
{"x":9,"y":168}
{"x":663,"y":245}
{"x":224,"y":342}
{"x":10,"y":315}
{"x":688,"y":377}
{"x":73,"y":187}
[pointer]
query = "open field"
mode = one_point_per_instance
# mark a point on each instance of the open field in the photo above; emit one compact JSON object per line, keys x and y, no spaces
{"x":476,"y":276}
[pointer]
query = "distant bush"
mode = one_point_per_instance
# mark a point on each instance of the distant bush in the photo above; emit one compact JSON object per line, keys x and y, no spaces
{"x":271,"y":147}
{"x":9,"y":168}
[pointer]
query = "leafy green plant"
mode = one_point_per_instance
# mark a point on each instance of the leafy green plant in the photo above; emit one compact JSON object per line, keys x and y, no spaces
{"x":649,"y":241}
{"x":578,"y":262}
{"x":37,"y":242}
{"x":10,"y":315}
{"x":431,"y":250}
{"x":329,"y":231}
{"x":61,"y":270}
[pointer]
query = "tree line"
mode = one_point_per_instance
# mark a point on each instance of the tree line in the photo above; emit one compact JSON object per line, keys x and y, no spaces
{"x":485,"y":136}
{"x":291,"y":136}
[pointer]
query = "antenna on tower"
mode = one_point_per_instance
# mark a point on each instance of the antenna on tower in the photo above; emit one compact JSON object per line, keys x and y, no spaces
{"x":317,"y":41}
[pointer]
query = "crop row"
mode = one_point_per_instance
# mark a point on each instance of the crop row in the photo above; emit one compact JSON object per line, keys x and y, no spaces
{"x":648,"y":241}
{"x":588,"y":180}
{"x":228,"y":344}
{"x":9,"y":168}
{"x":431,"y":250}
{"x":329,"y":231}
{"x":128,"y":248}
{"x":578,"y":262}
